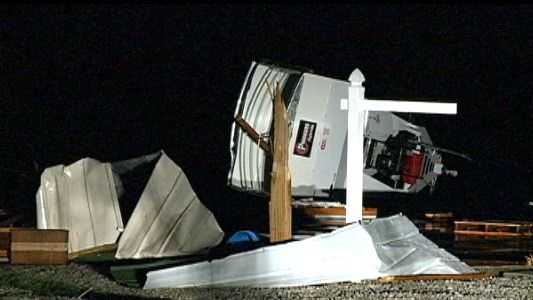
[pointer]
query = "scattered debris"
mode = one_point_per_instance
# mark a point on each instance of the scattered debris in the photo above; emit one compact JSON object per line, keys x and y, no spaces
{"x":91,"y":199}
{"x":494,"y":228}
{"x":465,"y":276}
{"x":529,"y":260}
{"x":437,"y":222}
{"x":92,"y":251}
{"x":334,"y":215}
{"x":85,"y":293}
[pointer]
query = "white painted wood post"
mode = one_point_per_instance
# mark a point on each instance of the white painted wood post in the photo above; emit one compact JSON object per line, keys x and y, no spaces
{"x":354,"y":170}
{"x":358,"y":108}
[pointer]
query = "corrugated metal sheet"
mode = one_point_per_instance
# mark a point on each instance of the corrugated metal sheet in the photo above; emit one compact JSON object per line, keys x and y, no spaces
{"x":387,"y":246}
{"x":255,"y":107}
{"x":169,"y":219}
{"x":346,"y":254}
{"x":81,"y":198}
{"x":403,"y":250}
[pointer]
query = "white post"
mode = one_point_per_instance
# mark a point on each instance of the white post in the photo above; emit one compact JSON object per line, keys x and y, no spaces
{"x":358,"y":108}
{"x":354,"y":170}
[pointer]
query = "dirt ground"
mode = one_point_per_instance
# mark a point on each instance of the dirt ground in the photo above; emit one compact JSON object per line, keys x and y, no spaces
{"x":78,"y":281}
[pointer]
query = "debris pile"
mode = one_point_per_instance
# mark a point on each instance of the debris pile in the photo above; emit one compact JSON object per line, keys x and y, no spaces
{"x":91,"y":200}
{"x":145,"y":208}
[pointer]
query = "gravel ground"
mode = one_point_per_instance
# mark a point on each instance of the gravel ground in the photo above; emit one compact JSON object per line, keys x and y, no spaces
{"x":69,"y":282}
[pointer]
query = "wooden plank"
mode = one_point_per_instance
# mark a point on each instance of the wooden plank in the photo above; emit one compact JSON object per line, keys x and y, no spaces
{"x":39,"y":246}
{"x":446,"y":215}
{"x":370,"y":212}
{"x":497,"y":223}
{"x":250,"y":131}
{"x":494,"y":228}
{"x":93,"y":251}
{"x":466,"y":276}
{"x":280,"y":207}
{"x":336,"y":210}
{"x":312,"y":211}
{"x":490,"y":233}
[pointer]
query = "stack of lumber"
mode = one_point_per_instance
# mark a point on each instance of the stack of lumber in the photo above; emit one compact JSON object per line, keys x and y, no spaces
{"x":494,"y":228}
{"x":438,"y":221}
{"x":30,"y":246}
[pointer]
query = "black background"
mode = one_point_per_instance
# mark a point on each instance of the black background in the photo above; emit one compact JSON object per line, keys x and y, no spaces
{"x":119,"y":81}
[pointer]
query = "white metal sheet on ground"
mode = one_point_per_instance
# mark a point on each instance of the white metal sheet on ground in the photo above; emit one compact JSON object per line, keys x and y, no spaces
{"x":80,"y":198}
{"x":169,"y":219}
{"x":404,"y":250}
{"x":387,"y":246}
{"x":346,"y":254}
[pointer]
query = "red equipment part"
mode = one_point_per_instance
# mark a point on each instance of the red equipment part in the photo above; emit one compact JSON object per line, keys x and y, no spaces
{"x":412,"y":167}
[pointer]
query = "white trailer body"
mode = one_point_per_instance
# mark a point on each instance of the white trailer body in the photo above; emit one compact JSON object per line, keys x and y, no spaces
{"x":398,"y":155}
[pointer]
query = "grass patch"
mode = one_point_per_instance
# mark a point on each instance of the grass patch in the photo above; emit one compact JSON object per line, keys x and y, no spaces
{"x":38,"y":281}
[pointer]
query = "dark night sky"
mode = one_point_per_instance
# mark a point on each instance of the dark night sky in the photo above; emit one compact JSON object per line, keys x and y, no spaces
{"x":115,"y":82}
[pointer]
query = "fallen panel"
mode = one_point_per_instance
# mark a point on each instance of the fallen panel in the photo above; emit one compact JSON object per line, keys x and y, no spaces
{"x":82,"y":199}
{"x":169,"y":219}
{"x":346,"y":254}
{"x":403,"y":250}
{"x":388,"y":246}
{"x":151,"y":194}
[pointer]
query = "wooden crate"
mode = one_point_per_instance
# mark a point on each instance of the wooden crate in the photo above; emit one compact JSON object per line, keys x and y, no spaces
{"x":39,"y":246}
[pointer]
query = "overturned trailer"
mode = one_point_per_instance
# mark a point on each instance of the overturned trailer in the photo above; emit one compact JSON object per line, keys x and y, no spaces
{"x":398,"y":156}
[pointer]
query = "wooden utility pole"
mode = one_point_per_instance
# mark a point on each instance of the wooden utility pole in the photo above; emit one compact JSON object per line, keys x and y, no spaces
{"x":280,"y":185}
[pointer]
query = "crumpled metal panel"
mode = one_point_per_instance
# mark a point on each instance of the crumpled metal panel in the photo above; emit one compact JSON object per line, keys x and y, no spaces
{"x":387,"y":246}
{"x":346,"y":254}
{"x":404,"y":250}
{"x":82,"y":199}
{"x":169,"y":219}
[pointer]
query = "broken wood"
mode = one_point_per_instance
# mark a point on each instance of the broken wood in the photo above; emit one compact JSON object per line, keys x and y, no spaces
{"x":335,"y":212}
{"x":280,"y":207}
{"x":93,"y":251}
{"x":466,"y":276}
{"x":250,"y":131}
